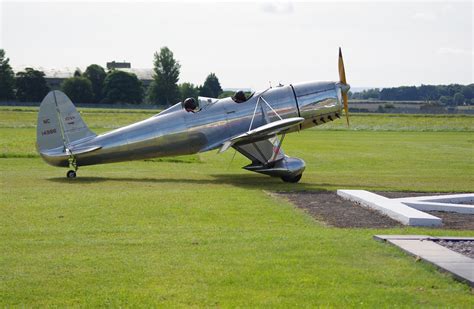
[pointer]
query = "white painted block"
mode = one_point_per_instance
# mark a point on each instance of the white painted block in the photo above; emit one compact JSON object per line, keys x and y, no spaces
{"x":448,"y":198}
{"x":431,"y":206}
{"x":392,"y":208}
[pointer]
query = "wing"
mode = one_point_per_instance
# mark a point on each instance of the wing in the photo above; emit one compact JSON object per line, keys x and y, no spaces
{"x":262,"y":133}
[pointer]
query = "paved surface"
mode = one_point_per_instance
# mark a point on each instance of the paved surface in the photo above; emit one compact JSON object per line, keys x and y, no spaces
{"x":425,"y":247}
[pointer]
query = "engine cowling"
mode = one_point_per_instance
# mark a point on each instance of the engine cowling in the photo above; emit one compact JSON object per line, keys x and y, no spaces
{"x":318,"y":102}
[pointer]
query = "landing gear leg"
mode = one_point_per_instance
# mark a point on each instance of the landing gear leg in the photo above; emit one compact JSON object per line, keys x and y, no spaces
{"x":73,"y":164}
{"x":292,"y":179}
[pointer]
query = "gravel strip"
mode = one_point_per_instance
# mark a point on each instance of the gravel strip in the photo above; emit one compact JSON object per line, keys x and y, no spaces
{"x":328,"y":207}
{"x":465,"y":247}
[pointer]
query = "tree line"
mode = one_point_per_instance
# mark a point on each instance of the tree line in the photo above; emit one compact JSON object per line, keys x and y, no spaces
{"x":453,"y":94}
{"x":95,"y":85}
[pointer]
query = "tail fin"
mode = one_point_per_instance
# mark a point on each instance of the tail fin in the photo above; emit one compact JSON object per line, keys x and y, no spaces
{"x":59,"y":123}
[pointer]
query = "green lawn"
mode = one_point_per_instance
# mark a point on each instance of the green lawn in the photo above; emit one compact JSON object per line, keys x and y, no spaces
{"x":200,"y":231}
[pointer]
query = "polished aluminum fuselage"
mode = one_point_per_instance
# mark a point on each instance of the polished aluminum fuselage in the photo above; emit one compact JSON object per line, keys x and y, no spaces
{"x":178,"y":132}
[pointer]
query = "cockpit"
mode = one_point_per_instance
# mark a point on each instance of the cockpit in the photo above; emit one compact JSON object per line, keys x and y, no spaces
{"x":191,"y":105}
{"x":240,"y":97}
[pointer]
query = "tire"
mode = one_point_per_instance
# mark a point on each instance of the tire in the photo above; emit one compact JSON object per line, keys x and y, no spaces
{"x":292,"y":179}
{"x":71,"y":174}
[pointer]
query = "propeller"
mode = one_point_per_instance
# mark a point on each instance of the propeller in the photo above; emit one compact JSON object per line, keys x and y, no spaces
{"x":345,"y":87}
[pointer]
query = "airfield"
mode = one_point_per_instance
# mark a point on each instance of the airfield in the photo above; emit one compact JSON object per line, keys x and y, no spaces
{"x":200,"y":231}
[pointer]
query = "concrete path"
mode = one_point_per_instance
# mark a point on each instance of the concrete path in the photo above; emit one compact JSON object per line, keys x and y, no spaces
{"x":460,"y":266}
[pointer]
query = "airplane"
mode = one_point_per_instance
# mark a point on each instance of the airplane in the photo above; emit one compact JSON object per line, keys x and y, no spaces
{"x":249,"y":124}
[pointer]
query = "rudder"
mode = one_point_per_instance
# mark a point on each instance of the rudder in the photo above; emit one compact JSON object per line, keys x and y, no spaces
{"x":59,"y":123}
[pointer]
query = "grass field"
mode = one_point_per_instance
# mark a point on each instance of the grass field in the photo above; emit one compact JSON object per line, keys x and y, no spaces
{"x":200,"y":231}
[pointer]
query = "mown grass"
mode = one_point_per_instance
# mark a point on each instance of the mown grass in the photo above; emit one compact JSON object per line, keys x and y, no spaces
{"x":205,"y":233}
{"x":95,"y":118}
{"x":400,"y":122}
{"x":25,"y":117}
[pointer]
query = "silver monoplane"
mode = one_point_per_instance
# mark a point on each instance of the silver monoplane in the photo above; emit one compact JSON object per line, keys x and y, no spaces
{"x":250,"y":125}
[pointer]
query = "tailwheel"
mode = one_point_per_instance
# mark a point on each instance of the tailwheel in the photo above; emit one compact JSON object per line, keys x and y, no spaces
{"x":72,"y":164}
{"x":292,"y":179}
{"x":71,"y":174}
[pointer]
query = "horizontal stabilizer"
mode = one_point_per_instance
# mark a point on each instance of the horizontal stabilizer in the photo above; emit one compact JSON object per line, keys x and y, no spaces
{"x":58,"y":152}
{"x":263,"y":132}
{"x":81,"y":150}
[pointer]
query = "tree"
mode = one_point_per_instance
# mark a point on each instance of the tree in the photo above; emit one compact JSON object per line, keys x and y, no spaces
{"x":122,"y":87}
{"x":188,"y":90}
{"x":211,"y":87}
{"x":164,"y":88}
{"x":468,"y":91}
{"x":458,"y":99}
{"x":31,"y":85}
{"x":78,"y":89}
{"x":370,"y":94}
{"x":229,"y":93}
{"x":7,"y":80}
{"x":428,"y":92}
{"x":96,"y":74}
{"x":445,"y":100}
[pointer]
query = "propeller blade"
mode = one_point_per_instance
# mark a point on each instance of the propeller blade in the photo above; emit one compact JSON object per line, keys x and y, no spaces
{"x":342,"y":72}
{"x":346,"y":107}
{"x":342,"y":79}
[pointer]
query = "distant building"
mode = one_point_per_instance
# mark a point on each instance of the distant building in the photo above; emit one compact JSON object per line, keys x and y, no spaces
{"x":118,"y":65}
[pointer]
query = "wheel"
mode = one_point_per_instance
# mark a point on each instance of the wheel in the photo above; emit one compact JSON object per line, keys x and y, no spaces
{"x":71,"y":174}
{"x":292,"y":179}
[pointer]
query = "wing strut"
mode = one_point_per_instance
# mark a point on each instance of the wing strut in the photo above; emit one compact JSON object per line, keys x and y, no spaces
{"x":255,"y":110}
{"x":266,"y":131}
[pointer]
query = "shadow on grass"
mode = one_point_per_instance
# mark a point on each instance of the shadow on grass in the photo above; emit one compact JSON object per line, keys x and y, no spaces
{"x":251,"y":181}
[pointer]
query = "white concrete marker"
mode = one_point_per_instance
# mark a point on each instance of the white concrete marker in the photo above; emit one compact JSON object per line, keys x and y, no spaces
{"x":441,"y":203}
{"x":392,"y":208}
{"x":448,"y":198}
{"x":431,"y":206}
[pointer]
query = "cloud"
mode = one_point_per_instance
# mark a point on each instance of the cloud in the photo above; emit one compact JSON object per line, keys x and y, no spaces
{"x":454,"y":51}
{"x":277,"y":7}
{"x":425,"y":16}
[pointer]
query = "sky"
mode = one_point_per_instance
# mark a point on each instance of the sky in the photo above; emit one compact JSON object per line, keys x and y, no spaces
{"x":251,"y":44}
